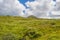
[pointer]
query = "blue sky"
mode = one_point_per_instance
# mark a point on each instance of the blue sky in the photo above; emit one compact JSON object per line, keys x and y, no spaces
{"x":24,"y":1}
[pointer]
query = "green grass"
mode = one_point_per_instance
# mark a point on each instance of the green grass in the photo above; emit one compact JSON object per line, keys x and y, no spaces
{"x":18,"y":28}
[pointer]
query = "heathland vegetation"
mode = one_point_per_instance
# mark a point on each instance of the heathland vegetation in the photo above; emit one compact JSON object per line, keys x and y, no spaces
{"x":31,"y":28}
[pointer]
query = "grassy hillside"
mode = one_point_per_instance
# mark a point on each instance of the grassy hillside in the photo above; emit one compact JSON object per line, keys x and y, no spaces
{"x":18,"y":28}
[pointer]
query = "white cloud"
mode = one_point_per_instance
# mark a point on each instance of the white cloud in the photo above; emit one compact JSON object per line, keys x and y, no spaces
{"x":1,"y":1}
{"x":11,"y":7}
{"x":38,"y":8}
{"x":56,"y":9}
{"x":42,"y":8}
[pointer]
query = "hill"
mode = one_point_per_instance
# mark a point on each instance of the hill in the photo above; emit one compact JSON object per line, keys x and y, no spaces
{"x":31,"y":16}
{"x":18,"y":28}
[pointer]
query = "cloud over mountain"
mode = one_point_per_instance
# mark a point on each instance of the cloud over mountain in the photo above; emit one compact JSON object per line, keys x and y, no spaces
{"x":38,"y":8}
{"x":43,"y":8}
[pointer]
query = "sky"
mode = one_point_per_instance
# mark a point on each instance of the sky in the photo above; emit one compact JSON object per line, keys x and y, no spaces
{"x":24,"y":1}
{"x":25,"y":8}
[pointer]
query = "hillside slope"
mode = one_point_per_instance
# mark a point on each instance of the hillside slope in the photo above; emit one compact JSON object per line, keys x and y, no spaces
{"x":18,"y":28}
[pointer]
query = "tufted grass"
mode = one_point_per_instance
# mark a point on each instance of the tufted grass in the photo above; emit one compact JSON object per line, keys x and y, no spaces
{"x":19,"y":28}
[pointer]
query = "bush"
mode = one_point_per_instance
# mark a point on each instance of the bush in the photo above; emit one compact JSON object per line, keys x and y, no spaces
{"x":31,"y":35}
{"x":53,"y":23}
